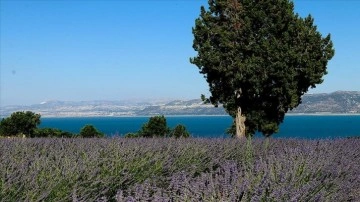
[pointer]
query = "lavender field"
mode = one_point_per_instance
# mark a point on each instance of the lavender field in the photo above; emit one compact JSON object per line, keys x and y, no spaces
{"x":119,"y":169}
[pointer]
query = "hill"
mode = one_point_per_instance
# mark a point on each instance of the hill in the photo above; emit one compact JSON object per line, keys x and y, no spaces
{"x":340,"y":102}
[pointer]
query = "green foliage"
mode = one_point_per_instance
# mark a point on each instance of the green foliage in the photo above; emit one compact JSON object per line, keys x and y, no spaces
{"x":25,"y":124}
{"x":20,"y":123}
{"x":179,"y":131}
{"x":90,"y":131}
{"x":231,"y":130}
{"x":155,"y":127}
{"x":260,"y":56}
{"x":52,"y":132}
{"x":131,"y":135}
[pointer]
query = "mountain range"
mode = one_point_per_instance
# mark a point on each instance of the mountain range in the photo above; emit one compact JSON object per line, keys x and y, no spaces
{"x":339,"y":102}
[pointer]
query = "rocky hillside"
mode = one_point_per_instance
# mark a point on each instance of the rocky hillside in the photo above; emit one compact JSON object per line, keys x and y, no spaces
{"x":339,"y":102}
{"x":179,"y":107}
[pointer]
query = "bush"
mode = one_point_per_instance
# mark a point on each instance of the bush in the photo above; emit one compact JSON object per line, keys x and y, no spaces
{"x":179,"y":131}
{"x":155,"y":127}
{"x":20,"y":123}
{"x":90,"y":131}
{"x":131,"y":135}
{"x":52,"y":132}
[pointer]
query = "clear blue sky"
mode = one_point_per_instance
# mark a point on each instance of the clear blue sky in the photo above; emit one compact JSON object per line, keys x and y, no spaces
{"x":134,"y":49}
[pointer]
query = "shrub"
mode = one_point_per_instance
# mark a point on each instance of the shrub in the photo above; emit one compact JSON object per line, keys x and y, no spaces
{"x":131,"y":135}
{"x":90,"y":131}
{"x":179,"y":131}
{"x":155,"y":127}
{"x":52,"y":132}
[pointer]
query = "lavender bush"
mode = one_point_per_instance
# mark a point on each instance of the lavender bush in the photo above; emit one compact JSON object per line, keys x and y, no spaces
{"x":119,"y":169}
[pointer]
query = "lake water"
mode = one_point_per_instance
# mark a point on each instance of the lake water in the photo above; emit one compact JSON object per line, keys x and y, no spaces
{"x":302,"y":126}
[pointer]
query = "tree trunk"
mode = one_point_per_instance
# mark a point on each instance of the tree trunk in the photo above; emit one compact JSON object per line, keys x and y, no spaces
{"x":240,"y":124}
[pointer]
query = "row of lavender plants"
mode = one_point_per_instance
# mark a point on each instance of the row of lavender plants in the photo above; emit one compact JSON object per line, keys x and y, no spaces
{"x":157,"y":169}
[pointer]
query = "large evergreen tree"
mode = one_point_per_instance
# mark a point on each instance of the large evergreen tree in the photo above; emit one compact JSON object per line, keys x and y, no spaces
{"x":259,"y":58}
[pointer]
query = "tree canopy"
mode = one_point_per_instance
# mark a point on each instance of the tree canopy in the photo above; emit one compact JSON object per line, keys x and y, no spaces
{"x":155,"y":127}
{"x":25,"y":124}
{"x":20,"y":123}
{"x":259,"y":58}
{"x":179,"y":132}
{"x":90,"y":131}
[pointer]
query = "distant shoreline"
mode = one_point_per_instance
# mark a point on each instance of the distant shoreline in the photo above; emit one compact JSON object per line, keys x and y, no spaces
{"x":203,"y":115}
{"x":146,"y":116}
{"x":323,"y":114}
{"x":130,"y":116}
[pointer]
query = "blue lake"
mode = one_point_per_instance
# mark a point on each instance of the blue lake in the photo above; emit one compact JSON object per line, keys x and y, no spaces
{"x":302,"y":126}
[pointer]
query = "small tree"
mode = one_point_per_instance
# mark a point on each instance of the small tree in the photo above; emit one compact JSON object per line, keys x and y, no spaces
{"x":90,"y":131}
{"x":20,"y":123}
{"x":155,"y":127}
{"x":179,"y":131}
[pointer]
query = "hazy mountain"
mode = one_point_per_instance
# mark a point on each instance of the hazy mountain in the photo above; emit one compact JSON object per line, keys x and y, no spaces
{"x":179,"y":107}
{"x":337,"y":102}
